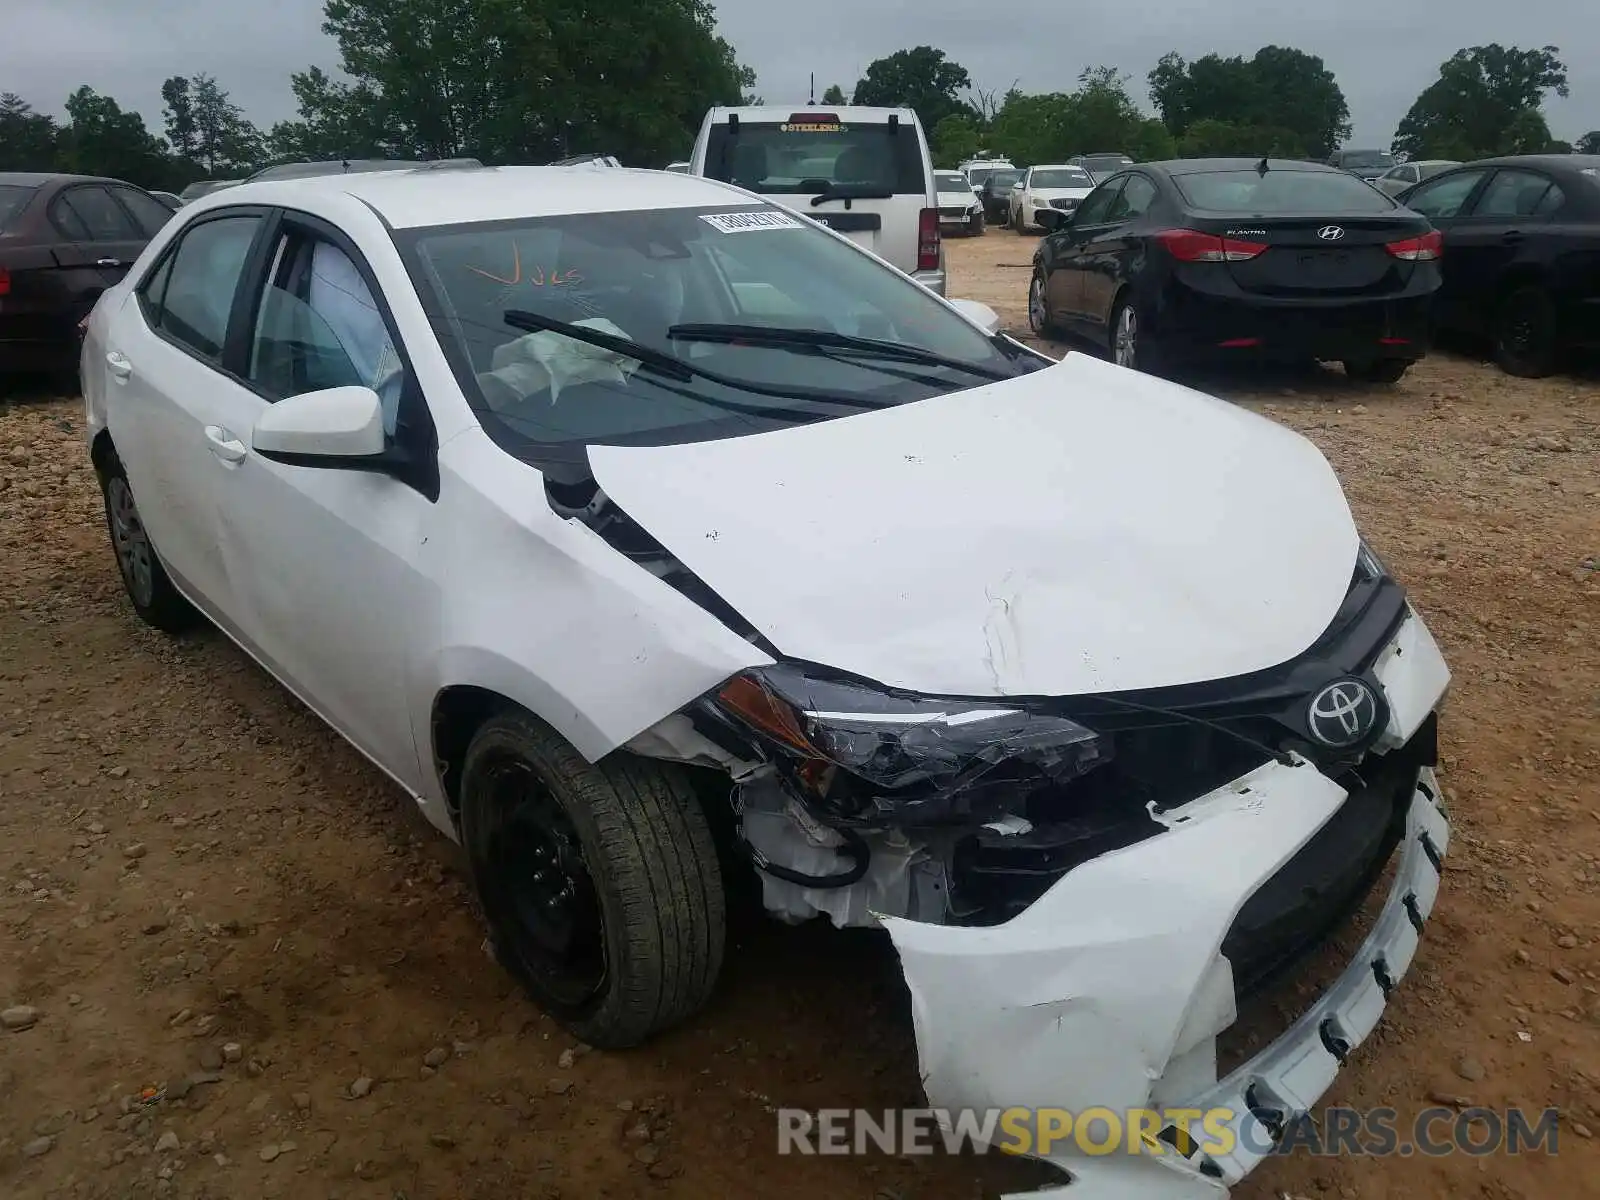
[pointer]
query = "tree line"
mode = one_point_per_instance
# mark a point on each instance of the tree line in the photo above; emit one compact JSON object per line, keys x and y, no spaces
{"x":533,"y":80}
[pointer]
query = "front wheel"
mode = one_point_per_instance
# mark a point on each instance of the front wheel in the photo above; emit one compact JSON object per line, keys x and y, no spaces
{"x":599,"y":881}
{"x":975,"y":226}
{"x":1020,"y":223}
{"x":1525,"y":333}
{"x":1383,"y":370}
{"x":157,"y":602}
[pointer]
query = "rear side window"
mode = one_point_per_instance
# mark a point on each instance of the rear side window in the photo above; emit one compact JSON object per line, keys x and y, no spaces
{"x":1255,"y":193}
{"x":190,"y":295}
{"x":100,"y":216}
{"x":1515,"y":194}
{"x":805,"y":158}
{"x":13,"y":199}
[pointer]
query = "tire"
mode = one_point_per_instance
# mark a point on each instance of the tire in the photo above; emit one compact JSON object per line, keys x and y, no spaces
{"x":1020,"y":225}
{"x":1038,"y":315}
{"x":975,"y":226}
{"x":625,"y":937}
{"x":1383,"y":370}
{"x":1132,"y":344}
{"x":150,"y":591}
{"x":1525,"y":333}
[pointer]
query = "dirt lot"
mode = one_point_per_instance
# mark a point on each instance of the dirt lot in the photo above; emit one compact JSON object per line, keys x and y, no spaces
{"x":203,"y":889}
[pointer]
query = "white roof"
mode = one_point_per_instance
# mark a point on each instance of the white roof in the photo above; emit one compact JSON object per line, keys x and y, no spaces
{"x":410,"y":198}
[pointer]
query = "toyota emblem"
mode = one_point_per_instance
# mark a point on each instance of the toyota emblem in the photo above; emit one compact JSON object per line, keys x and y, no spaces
{"x":1331,"y":233}
{"x":1342,"y":714}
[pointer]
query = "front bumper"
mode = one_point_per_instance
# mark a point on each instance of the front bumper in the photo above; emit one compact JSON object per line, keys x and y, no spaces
{"x":1110,"y":990}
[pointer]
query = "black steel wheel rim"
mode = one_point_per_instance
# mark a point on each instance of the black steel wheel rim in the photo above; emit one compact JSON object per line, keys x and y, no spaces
{"x":129,"y":540}
{"x":1519,"y":333}
{"x":540,"y":892}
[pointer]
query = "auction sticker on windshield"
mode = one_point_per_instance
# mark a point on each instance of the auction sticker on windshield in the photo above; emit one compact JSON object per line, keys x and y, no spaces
{"x":748,"y":222}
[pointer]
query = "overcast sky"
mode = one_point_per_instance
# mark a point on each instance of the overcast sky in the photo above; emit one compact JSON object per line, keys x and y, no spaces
{"x":1383,"y":53}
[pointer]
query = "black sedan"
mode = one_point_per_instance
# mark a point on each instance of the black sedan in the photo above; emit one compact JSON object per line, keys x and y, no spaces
{"x":1270,"y":258}
{"x":995,"y":194}
{"x":1522,"y":254}
{"x":64,"y":239}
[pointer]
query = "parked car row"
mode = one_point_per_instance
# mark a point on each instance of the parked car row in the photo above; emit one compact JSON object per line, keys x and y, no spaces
{"x":657,"y":545}
{"x":1293,"y":259}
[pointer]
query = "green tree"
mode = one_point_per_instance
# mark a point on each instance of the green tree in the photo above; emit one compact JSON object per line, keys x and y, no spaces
{"x":1279,"y":90}
{"x":955,"y":139}
{"x":1487,"y":101}
{"x":178,"y":114}
{"x":1207,"y":138}
{"x":922,"y":79}
{"x":835,"y":95}
{"x":101,"y":139}
{"x":513,"y":80}
{"x":224,"y":141}
{"x":1589,"y":143}
{"x":1099,"y":117}
{"x":28,"y":140}
{"x":335,"y":121}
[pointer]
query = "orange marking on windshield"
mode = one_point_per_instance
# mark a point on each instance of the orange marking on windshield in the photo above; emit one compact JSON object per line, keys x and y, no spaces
{"x":516,"y":269}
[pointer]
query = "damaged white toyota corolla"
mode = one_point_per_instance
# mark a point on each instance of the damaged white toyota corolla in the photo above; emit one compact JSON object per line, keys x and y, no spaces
{"x":644,"y":532}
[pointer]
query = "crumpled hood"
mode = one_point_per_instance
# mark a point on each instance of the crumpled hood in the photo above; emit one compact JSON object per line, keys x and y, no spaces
{"x":1080,"y":529}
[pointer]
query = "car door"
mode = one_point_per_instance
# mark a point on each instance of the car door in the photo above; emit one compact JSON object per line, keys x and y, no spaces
{"x":110,"y":237}
{"x":322,"y":560}
{"x":1107,"y":254}
{"x":168,"y":396}
{"x":1443,"y":199}
{"x":1496,"y":230}
{"x":1063,"y":252}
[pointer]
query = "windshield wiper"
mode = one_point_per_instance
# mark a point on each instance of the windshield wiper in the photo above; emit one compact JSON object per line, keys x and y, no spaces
{"x":767,"y":335}
{"x":852,"y":191}
{"x":663,"y":363}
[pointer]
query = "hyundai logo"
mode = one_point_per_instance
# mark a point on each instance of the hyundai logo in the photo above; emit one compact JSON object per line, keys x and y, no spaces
{"x":1342,"y":714}
{"x":1331,"y":233}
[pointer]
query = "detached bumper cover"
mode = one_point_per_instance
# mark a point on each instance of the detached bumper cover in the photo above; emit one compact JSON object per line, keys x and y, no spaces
{"x":1109,"y":990}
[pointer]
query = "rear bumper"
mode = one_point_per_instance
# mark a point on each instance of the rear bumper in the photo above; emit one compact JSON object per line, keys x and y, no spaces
{"x":1357,"y":330}
{"x":934,"y":281}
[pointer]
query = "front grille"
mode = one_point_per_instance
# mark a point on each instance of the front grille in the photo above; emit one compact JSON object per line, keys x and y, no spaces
{"x":1068,"y":205}
{"x":953,"y":214}
{"x":1295,"y":910}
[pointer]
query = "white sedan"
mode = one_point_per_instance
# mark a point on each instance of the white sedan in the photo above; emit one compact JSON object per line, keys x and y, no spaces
{"x":1061,"y":187}
{"x":642,"y":530}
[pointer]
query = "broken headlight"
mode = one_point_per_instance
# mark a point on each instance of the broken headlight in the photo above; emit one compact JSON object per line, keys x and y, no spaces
{"x":1368,"y":565}
{"x":903,"y":754}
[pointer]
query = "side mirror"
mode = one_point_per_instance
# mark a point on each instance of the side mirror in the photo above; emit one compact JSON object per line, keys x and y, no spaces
{"x":979,"y":313}
{"x":1050,"y":219}
{"x":341,"y":423}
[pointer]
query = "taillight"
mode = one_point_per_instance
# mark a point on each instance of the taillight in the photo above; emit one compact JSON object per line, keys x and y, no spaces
{"x":5,"y":282}
{"x":1427,"y":248}
{"x":928,"y":240}
{"x":1190,"y":245}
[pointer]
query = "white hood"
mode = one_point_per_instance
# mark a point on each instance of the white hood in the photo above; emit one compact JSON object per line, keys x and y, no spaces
{"x":1084,"y":528}
{"x":1046,"y":195}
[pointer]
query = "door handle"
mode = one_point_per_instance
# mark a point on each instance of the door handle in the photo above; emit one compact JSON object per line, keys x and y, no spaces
{"x":1511,"y":235}
{"x":108,"y":262}
{"x":119,"y":365}
{"x":224,"y":445}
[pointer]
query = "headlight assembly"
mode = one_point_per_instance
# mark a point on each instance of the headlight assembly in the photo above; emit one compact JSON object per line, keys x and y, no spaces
{"x":908,"y":754}
{"x":1368,"y":564}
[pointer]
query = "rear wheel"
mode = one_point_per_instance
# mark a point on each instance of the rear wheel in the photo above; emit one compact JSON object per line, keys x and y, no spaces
{"x":1132,"y":345}
{"x":599,"y":881}
{"x":1038,"y":311}
{"x":1382,"y":370}
{"x":1525,"y":333}
{"x":157,"y":602}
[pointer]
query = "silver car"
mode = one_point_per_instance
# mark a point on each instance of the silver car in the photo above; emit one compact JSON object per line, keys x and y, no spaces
{"x":1401,"y":176}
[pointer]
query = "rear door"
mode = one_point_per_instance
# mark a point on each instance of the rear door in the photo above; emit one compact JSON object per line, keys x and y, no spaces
{"x":868,"y":180}
{"x":1499,"y":227}
{"x":108,"y":235}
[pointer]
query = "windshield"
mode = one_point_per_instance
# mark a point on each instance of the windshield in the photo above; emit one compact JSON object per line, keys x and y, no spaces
{"x":13,"y":198}
{"x":810,"y":157}
{"x":1003,"y":178}
{"x":637,"y":275}
{"x":979,"y":174}
{"x":1365,"y":158}
{"x":1255,"y":193}
{"x":951,"y":181}
{"x":1060,"y":177}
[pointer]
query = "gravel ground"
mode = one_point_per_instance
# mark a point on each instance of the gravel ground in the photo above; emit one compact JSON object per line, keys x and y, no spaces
{"x":205,"y":893}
